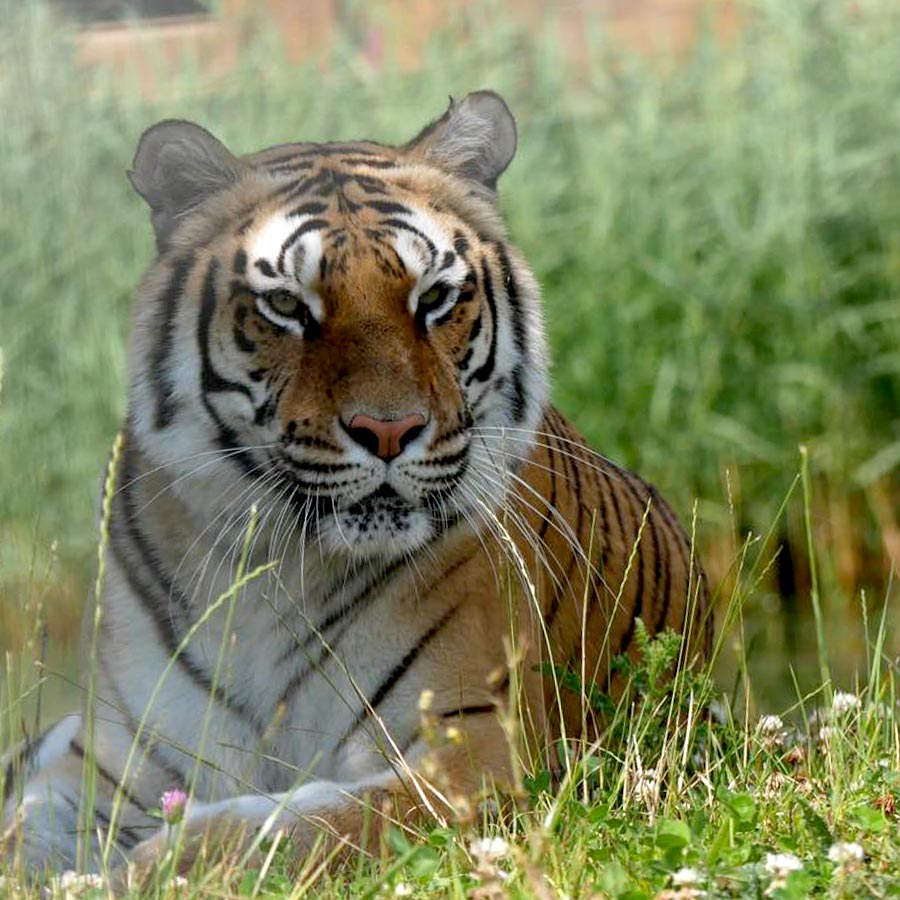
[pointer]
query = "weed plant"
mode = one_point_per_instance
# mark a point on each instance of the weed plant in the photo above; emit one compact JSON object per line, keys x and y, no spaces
{"x":718,"y":238}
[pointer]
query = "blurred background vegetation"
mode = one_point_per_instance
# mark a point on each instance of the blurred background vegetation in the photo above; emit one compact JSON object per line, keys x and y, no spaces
{"x":709,"y":194}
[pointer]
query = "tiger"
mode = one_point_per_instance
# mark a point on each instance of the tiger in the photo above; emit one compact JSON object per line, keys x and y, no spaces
{"x":346,"y":529}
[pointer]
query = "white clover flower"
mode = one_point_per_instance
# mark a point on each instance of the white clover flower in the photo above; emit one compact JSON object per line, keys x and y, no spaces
{"x":489,"y":848}
{"x":844,"y":702}
{"x":71,"y":884}
{"x":685,"y":877}
{"x":770,"y":725}
{"x":780,"y":865}
{"x":771,"y":731}
{"x":402,"y":889}
{"x":846,"y":853}
{"x":828,"y":734}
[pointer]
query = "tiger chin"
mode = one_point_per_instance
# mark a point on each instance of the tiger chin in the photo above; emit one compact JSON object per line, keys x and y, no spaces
{"x":338,"y":383}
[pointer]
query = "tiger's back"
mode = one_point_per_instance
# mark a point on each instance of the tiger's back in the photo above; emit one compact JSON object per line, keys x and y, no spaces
{"x":338,"y":348}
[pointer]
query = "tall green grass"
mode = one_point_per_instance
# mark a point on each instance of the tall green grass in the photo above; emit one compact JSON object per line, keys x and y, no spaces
{"x":718,"y":238}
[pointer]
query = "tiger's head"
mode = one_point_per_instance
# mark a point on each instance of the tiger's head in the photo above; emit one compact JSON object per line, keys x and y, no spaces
{"x":342,"y":326}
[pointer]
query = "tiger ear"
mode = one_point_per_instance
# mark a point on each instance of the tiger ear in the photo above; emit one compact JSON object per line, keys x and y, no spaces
{"x":177,"y":165}
{"x":475,"y":138}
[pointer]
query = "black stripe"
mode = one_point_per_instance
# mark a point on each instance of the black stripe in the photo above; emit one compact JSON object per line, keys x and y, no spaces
{"x":666,"y":589}
{"x":266,"y":411}
{"x":656,"y":596}
{"x":313,"y":208}
{"x":448,"y":459}
{"x":132,"y":838}
{"x":352,"y":608}
{"x":308,"y":149}
{"x":473,"y":334}
{"x":108,"y":777}
{"x":460,"y":244}
{"x":405,"y":226}
{"x":317,"y":467}
{"x":477,"y":710}
{"x":515,"y":303}
{"x":397,"y":673}
{"x":362,"y":600}
{"x":160,"y":377}
{"x":159,"y":612}
{"x":120,"y":705}
{"x":306,"y":184}
{"x":517,"y":400}
{"x":638,"y":608}
{"x":244,"y":343}
{"x":211,"y":381}
{"x":20,"y":758}
{"x":675,"y":527}
{"x":389,"y":207}
{"x":239,"y":266}
{"x":560,"y":588}
{"x":265,"y":267}
{"x":551,"y":503}
{"x":484,"y":371}
{"x":308,"y":226}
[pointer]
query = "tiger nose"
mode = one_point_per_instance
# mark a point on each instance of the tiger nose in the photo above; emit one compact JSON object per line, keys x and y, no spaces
{"x":386,"y":438}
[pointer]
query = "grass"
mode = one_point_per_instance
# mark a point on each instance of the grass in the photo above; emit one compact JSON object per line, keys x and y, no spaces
{"x":719,"y":243}
{"x":682,"y":796}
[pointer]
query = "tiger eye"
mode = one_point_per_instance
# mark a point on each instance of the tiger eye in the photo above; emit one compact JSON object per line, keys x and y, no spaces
{"x":284,"y":304}
{"x":432,"y":297}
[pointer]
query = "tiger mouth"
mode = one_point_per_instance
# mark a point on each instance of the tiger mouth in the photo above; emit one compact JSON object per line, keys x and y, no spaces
{"x":383,"y":501}
{"x":382,"y":517}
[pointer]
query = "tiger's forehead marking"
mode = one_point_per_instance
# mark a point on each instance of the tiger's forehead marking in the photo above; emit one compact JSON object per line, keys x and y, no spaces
{"x":291,"y":250}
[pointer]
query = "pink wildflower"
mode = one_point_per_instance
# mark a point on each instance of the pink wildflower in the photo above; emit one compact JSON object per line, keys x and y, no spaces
{"x":172,"y":804}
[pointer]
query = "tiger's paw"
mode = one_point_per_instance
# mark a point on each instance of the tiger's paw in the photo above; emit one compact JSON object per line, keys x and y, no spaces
{"x":176,"y":851}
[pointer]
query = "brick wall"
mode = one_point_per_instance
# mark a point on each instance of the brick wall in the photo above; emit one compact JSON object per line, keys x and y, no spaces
{"x":398,"y":29}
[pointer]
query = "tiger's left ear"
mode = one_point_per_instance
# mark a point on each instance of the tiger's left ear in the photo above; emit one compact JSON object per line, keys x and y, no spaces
{"x":475,"y":138}
{"x":178,"y":165}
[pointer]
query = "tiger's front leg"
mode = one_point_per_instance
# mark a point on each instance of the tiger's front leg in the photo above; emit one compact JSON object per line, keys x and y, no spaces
{"x":53,"y":817}
{"x":428,"y":785}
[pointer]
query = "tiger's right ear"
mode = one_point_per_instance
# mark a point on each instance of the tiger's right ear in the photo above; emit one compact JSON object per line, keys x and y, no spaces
{"x":178,"y":165}
{"x":475,"y":138}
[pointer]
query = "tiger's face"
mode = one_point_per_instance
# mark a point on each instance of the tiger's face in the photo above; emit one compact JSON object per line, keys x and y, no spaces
{"x":345,"y":322}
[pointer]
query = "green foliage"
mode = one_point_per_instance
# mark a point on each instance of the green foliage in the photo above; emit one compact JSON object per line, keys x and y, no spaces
{"x":717,"y":240}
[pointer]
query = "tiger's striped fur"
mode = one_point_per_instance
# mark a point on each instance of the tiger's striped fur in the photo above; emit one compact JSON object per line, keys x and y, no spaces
{"x":297,"y":291}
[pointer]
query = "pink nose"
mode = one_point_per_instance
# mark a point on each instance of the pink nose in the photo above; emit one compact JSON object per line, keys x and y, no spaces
{"x":386,"y":438}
